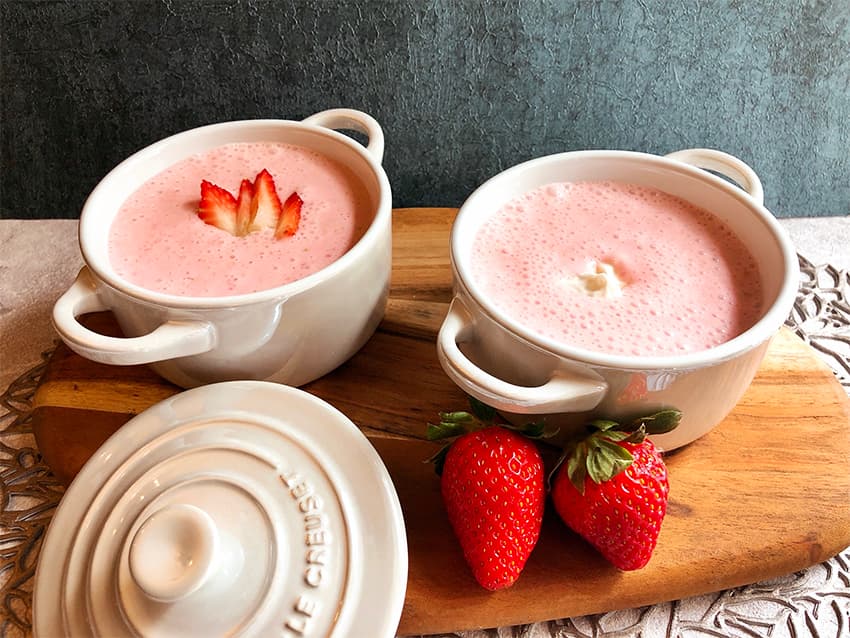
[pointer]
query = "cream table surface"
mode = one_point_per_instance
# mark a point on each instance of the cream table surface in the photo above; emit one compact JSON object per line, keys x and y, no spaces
{"x":38,"y":261}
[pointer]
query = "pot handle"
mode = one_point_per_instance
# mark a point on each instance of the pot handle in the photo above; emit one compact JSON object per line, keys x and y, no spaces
{"x":725,"y":164}
{"x":353,"y":120}
{"x":170,"y":340}
{"x":564,"y":391}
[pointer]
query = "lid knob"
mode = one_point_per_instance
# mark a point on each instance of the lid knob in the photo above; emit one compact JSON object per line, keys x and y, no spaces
{"x":174,"y":552}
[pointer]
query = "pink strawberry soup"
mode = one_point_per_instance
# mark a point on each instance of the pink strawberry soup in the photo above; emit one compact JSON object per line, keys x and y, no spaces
{"x":157,"y":240}
{"x":617,"y":268}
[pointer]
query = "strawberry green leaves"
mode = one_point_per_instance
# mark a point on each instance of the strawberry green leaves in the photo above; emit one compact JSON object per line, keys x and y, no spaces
{"x":660,"y":422}
{"x":451,"y":424}
{"x":598,"y":458}
{"x":481,"y":415}
{"x":599,"y":454}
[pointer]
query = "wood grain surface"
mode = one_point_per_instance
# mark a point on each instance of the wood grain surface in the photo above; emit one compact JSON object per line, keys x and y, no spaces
{"x":765,"y":493}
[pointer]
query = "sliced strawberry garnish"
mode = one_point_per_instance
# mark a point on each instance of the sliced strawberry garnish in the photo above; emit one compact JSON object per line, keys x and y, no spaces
{"x":217,"y":207}
{"x":265,"y":205}
{"x":243,"y":207}
{"x":287,"y":224}
{"x":256,"y":207}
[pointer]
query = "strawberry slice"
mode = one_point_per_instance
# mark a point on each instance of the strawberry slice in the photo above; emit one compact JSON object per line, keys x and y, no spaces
{"x":256,"y":207}
{"x":287,"y":224}
{"x":265,"y":205}
{"x":243,"y":207}
{"x":217,"y":207}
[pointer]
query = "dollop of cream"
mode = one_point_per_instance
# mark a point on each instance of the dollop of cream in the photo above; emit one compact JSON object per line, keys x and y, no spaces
{"x":599,"y":280}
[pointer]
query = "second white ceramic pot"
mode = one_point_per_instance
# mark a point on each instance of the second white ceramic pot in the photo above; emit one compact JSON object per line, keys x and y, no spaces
{"x":291,"y":334}
{"x":505,"y":364}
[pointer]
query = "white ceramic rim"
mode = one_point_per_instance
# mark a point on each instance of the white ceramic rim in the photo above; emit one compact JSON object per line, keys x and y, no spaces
{"x":757,"y":334}
{"x":99,"y":264}
{"x":376,"y":505}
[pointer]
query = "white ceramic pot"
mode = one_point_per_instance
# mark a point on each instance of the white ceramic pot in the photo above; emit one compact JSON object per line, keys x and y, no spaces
{"x":503,"y":363}
{"x":291,"y":334}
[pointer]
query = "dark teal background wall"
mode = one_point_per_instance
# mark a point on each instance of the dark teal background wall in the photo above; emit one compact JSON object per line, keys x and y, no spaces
{"x":463,"y":89}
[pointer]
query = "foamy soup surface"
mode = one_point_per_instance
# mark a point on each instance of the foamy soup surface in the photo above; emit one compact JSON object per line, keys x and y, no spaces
{"x":617,"y":268}
{"x":157,"y":241}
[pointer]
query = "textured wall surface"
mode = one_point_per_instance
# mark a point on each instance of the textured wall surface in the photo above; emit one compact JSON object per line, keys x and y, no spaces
{"x":463,"y":89}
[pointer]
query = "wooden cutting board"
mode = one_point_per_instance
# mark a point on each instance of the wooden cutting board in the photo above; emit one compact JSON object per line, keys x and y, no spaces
{"x":764,"y":494}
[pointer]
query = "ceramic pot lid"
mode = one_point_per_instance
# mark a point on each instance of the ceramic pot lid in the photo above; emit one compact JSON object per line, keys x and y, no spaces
{"x":243,"y":508}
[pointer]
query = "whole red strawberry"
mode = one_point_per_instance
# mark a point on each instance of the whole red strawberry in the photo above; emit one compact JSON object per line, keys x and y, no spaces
{"x":612,"y":490}
{"x":493,"y":488}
